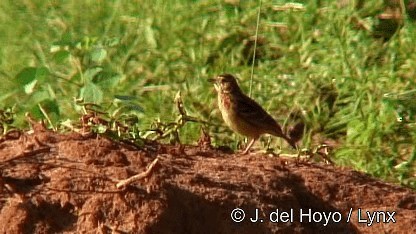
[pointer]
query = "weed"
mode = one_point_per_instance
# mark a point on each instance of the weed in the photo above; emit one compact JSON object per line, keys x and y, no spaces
{"x":329,"y":61}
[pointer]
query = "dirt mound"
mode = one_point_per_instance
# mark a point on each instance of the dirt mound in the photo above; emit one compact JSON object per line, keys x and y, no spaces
{"x":67,"y":183}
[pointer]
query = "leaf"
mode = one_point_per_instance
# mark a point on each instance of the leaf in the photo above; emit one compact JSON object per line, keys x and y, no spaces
{"x":29,"y":88}
{"x":134,"y":107}
{"x":40,"y":96}
{"x":61,"y":56}
{"x":125,"y":97}
{"x":107,"y":79}
{"x":98,"y":55}
{"x":65,"y":40}
{"x":111,"y":42}
{"x":29,"y":74}
{"x":149,"y":34}
{"x":91,"y":93}
{"x":130,"y":108}
{"x":50,"y":107}
{"x":355,"y":128}
{"x":402,"y":103}
{"x":90,"y":73}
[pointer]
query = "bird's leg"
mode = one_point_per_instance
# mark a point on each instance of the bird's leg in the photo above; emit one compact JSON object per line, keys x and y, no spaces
{"x":249,"y":145}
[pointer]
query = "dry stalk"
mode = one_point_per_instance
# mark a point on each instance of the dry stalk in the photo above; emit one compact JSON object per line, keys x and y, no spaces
{"x":139,"y":176}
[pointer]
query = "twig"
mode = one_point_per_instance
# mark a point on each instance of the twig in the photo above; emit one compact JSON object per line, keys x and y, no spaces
{"x":139,"y":176}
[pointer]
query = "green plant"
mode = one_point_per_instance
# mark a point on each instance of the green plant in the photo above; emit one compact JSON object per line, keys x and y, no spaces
{"x":320,"y":59}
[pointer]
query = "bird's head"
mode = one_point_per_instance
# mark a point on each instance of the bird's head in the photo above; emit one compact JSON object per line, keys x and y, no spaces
{"x":225,"y":83}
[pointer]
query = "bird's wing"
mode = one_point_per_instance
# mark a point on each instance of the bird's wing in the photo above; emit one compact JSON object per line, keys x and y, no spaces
{"x":254,"y":114}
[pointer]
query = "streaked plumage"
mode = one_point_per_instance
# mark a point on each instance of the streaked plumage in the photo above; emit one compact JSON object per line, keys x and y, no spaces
{"x":242,"y":114}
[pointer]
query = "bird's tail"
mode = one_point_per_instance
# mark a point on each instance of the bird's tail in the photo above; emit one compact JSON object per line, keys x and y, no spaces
{"x":294,"y":134}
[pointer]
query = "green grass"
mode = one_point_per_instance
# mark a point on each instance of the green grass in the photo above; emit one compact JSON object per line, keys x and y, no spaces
{"x":348,"y":86}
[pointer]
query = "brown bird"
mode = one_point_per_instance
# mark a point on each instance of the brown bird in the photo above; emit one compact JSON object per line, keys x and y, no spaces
{"x":242,"y":114}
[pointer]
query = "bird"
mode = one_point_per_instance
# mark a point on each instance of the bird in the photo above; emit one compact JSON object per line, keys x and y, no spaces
{"x":244,"y":115}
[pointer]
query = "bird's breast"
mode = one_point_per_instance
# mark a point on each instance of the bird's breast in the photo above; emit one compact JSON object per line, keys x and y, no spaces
{"x":230,"y":116}
{"x":224,"y":101}
{"x":226,"y":108}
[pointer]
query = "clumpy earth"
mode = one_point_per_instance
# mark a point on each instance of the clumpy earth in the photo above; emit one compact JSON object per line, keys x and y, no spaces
{"x":66,"y":183}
